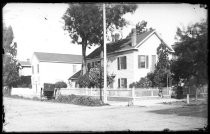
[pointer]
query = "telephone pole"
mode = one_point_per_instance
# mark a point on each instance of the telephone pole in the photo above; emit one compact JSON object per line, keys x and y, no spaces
{"x":105,"y":77}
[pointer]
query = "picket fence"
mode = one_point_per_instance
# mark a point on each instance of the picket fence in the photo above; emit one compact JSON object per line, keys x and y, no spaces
{"x":128,"y":93}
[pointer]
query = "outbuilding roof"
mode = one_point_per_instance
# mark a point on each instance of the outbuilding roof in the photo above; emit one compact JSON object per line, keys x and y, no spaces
{"x":25,"y":63}
{"x":58,"y":58}
{"x":75,"y":76}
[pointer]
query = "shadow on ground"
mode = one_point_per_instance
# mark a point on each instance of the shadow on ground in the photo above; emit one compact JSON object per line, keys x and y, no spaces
{"x":186,"y":110}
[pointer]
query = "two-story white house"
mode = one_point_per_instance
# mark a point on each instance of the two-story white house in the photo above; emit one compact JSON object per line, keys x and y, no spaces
{"x":53,"y":67}
{"x":25,"y":68}
{"x":129,"y":59}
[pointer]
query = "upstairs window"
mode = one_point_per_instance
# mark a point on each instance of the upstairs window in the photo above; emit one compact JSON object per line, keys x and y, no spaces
{"x":121,"y":62}
{"x":143,"y":61}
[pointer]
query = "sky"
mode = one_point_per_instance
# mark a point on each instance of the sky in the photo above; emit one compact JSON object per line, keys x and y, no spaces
{"x":39,"y":27}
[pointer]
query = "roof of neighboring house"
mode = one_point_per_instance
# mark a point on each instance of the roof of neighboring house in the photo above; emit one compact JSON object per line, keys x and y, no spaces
{"x":75,"y":76}
{"x":58,"y":58}
{"x":123,"y":45}
{"x":25,"y":63}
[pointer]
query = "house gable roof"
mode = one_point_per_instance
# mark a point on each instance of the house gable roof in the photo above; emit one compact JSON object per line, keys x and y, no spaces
{"x":148,"y":36}
{"x":58,"y":58}
{"x":75,"y":76}
{"x":124,"y":44}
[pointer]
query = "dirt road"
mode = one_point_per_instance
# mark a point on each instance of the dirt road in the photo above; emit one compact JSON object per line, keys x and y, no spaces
{"x":27,"y":115}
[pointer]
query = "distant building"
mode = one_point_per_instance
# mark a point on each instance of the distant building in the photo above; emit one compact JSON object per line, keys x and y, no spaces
{"x":25,"y":68}
{"x":53,"y":67}
{"x":129,"y":59}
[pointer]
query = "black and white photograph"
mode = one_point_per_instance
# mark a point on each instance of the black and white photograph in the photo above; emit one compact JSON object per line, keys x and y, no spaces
{"x":101,"y":67}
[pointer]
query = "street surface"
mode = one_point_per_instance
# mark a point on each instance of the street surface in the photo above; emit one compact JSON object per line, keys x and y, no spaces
{"x":34,"y":116}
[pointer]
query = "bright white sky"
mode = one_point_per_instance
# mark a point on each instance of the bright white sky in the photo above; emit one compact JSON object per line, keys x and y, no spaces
{"x":34,"y":33}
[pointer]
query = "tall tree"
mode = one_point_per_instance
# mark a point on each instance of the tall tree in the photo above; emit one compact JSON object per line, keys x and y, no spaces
{"x":10,"y":64}
{"x":191,"y":52}
{"x":162,"y":69}
{"x":84,"y":22}
{"x":141,"y":27}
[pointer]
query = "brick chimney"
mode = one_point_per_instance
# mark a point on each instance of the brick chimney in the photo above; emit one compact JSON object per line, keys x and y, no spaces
{"x":115,"y":37}
{"x":134,"y":37}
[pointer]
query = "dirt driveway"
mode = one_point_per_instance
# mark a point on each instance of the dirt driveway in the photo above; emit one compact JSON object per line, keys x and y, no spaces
{"x":26,"y":115}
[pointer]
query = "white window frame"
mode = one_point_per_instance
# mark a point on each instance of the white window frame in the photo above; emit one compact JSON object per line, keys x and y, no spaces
{"x":146,"y":62}
{"x":120,"y":64}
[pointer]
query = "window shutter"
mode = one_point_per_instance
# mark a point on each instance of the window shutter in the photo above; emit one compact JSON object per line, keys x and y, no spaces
{"x":147,"y":61}
{"x":118,"y":83}
{"x":125,"y":82}
{"x":125,"y":63}
{"x":118,"y":63}
{"x":139,"y":61}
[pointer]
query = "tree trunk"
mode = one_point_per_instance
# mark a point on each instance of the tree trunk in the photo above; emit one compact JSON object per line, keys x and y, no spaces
{"x":84,"y":67}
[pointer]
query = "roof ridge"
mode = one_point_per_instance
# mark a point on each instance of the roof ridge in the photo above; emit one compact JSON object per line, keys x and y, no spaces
{"x":58,"y":57}
{"x":123,"y":44}
{"x":57,"y":53}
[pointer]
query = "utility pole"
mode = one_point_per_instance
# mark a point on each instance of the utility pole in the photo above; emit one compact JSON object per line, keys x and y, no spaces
{"x":105,"y":77}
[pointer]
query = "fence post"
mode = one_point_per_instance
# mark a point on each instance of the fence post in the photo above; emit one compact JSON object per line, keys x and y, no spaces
{"x":152,"y":92}
{"x":86,"y":91}
{"x":91,"y":91}
{"x":105,"y":96}
{"x":188,"y":99}
{"x":133,"y":95}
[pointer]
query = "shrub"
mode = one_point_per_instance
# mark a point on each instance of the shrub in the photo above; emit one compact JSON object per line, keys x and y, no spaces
{"x":60,"y":84}
{"x":80,"y":100}
{"x":66,"y":99}
{"x":87,"y":101}
{"x":142,"y":83}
